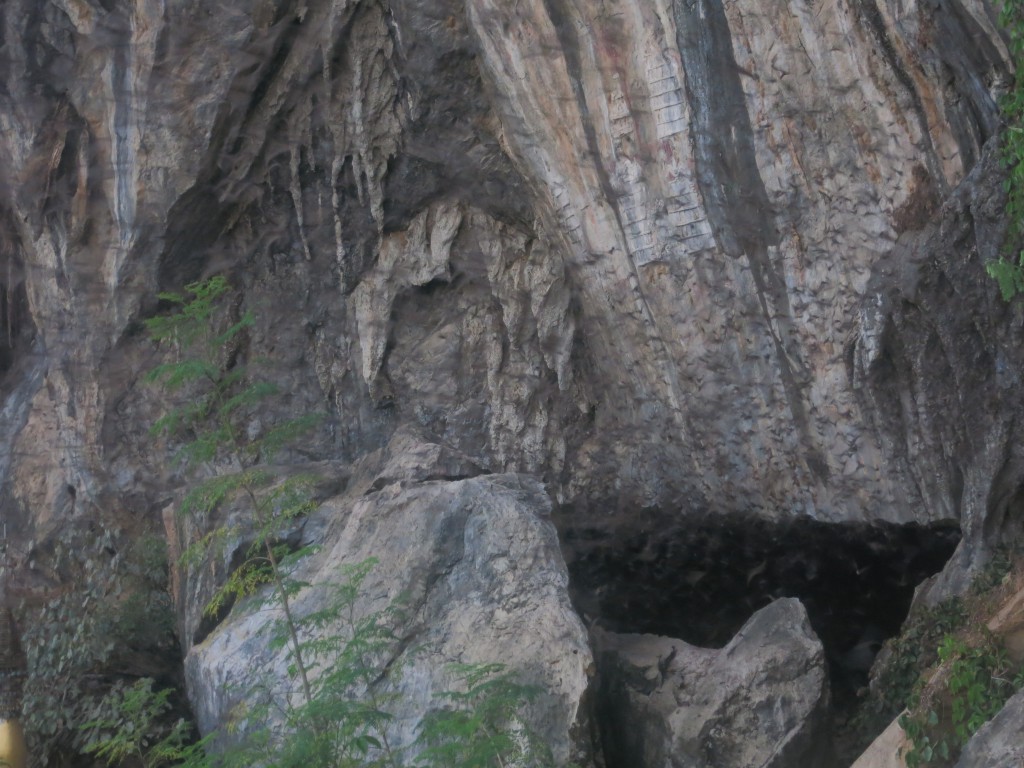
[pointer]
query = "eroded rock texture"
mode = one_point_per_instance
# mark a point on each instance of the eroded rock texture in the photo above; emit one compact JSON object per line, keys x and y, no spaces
{"x":938,"y":364}
{"x":620,"y":245}
{"x":734,"y":172}
{"x":472,"y":564}
{"x":762,"y":700}
{"x":641,"y":250}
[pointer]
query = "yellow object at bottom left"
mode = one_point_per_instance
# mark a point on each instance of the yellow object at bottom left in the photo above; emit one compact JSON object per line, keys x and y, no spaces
{"x":12,"y":745}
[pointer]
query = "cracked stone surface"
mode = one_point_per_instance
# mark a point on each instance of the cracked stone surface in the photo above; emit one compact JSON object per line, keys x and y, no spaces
{"x":680,"y":256}
{"x":476,"y":565}
{"x":759,"y":701}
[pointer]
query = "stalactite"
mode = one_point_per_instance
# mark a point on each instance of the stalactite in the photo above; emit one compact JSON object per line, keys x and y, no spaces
{"x":301,"y":137}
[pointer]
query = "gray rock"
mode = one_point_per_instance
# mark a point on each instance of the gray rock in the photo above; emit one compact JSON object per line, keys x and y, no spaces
{"x":1000,"y":742}
{"x":623,"y":248}
{"x":682,"y":256}
{"x":933,"y":323}
{"x":760,"y":702}
{"x":477,"y":564}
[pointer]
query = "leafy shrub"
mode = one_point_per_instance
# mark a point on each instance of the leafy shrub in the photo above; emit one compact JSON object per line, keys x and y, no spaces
{"x":978,"y":681}
{"x":75,"y":643}
{"x":909,"y":654}
{"x":1009,"y":272}
{"x":997,"y":569}
{"x":344,"y":720}
{"x":220,"y":396}
{"x":136,"y":729}
{"x":481,"y":724}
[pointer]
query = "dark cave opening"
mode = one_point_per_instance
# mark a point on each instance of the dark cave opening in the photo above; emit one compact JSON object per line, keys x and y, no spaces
{"x":701,"y":579}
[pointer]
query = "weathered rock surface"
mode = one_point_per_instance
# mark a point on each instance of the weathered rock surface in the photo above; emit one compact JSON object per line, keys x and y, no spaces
{"x":1000,"y":742}
{"x":621,"y":246}
{"x":886,"y":750}
{"x":760,"y":701}
{"x":656,"y":254}
{"x":721,"y":206}
{"x":932,"y":325}
{"x":477,"y":565}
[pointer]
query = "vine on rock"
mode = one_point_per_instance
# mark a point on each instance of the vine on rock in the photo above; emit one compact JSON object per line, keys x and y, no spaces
{"x":977,"y":680}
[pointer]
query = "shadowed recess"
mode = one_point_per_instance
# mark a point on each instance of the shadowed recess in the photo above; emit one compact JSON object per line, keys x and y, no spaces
{"x":702,"y":580}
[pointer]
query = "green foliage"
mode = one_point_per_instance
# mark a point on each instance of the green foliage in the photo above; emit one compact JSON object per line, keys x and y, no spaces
{"x":912,"y":652}
{"x":997,"y":568}
{"x":1009,"y":272}
{"x":137,"y":729}
{"x":980,"y":678}
{"x":75,"y":643}
{"x":482,"y":727}
{"x":928,"y":746}
{"x":340,"y":662}
{"x":975,"y":683}
{"x":190,"y":325}
{"x":265,"y":558}
{"x":217,"y":392}
{"x":344,"y":722}
{"x":220,"y":394}
{"x":1009,"y":275}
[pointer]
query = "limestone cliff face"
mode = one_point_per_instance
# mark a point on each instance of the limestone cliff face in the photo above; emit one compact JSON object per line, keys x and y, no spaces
{"x":619,"y":245}
{"x":938,"y":364}
{"x":639,"y":249}
{"x":723,"y":177}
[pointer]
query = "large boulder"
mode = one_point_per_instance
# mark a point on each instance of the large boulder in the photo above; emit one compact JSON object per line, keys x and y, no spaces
{"x":477,"y":565}
{"x":760,"y":702}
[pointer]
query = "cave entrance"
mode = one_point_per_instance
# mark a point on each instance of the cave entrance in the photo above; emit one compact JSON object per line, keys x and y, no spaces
{"x":701,"y":579}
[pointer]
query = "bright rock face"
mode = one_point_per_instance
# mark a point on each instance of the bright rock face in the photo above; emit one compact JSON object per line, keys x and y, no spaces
{"x":618,"y":245}
{"x":723,"y":176}
{"x":759,"y":701}
{"x":474,"y":568}
{"x":650,"y":253}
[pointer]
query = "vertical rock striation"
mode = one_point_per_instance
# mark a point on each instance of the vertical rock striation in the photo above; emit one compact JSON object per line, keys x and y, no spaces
{"x":724,"y":176}
{"x":657,"y":218}
{"x":687,"y":256}
{"x":937,"y":364}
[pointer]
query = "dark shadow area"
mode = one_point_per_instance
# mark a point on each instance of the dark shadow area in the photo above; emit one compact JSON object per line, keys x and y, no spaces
{"x":701,"y":580}
{"x":15,"y":323}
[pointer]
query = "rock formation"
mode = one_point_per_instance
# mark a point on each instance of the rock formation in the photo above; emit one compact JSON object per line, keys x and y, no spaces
{"x":931,"y":325}
{"x":1000,"y":742}
{"x":659,"y":258}
{"x":475,"y":567}
{"x":760,"y":701}
{"x":634,"y":237}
